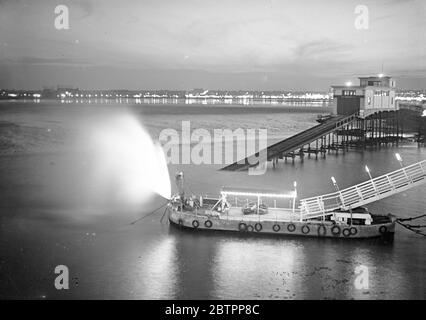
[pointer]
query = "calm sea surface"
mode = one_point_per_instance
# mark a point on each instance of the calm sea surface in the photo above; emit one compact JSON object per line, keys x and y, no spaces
{"x":42,"y":225}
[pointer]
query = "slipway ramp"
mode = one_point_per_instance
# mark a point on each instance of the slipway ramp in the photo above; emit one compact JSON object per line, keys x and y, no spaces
{"x":295,"y":142}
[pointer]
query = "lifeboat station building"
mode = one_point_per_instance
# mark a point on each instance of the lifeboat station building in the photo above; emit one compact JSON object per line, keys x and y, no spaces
{"x":373,"y":94}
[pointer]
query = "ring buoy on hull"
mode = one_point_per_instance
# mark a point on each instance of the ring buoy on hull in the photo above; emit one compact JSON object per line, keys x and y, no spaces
{"x":276,"y":227}
{"x":291,"y":227}
{"x":258,"y":227}
{"x":322,"y":230}
{"x":250,"y":228}
{"x":208,"y":224}
{"x":195,"y":224}
{"x":305,"y":229}
{"x":346,"y":232}
{"x":353,"y":230}
{"x":242,"y":226}
{"x":383,"y":229}
{"x":335,"y":230}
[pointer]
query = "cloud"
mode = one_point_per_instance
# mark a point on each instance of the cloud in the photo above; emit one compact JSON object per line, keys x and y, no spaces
{"x":5,"y":2}
{"x":26,"y":60}
{"x":228,"y":37}
{"x":86,"y":6}
{"x":323,"y":49}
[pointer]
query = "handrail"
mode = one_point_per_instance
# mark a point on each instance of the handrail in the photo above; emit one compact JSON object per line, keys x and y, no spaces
{"x":331,"y":126}
{"x":298,"y":140}
{"x":367,"y":191}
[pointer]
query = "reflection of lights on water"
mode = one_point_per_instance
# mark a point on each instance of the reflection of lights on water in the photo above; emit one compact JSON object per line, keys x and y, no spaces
{"x":257,"y":260}
{"x":424,"y":113}
{"x":127,"y":158}
{"x":157,"y":278}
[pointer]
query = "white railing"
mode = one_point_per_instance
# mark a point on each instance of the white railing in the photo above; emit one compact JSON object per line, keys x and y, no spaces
{"x":365,"y":192}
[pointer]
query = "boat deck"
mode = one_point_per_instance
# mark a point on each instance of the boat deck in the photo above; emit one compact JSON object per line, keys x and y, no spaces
{"x":235,"y":213}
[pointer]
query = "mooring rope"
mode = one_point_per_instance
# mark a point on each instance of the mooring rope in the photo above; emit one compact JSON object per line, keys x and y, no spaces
{"x":413,"y":218}
{"x":149,"y":214}
{"x":412,"y":227}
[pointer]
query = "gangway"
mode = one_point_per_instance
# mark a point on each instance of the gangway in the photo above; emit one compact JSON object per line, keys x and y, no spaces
{"x":296,"y":142}
{"x":366,"y":192}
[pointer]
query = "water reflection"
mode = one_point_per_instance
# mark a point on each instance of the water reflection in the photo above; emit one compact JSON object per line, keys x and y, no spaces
{"x":218,"y":265}
{"x":250,"y":269}
{"x":187,"y":101}
{"x":158,"y":273}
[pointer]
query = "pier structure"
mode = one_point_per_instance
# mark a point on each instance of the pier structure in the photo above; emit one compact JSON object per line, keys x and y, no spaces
{"x":337,"y":135}
{"x":362,"y":116}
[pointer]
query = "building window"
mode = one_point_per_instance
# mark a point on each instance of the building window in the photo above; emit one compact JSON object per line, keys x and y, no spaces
{"x":369,"y":101}
{"x":375,"y":83}
{"x":349,"y":92}
{"x":381,"y":93}
{"x":392,"y":101}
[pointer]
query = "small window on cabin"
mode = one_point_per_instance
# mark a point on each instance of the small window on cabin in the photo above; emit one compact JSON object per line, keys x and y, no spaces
{"x":349,"y":92}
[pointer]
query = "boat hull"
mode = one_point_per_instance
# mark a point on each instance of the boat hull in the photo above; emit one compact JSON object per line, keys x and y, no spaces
{"x":282,"y":228}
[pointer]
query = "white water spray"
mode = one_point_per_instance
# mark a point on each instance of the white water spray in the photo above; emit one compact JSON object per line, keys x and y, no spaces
{"x":127,"y":161}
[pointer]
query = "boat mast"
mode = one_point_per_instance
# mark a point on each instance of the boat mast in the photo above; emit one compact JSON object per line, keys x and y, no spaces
{"x":179,"y":185}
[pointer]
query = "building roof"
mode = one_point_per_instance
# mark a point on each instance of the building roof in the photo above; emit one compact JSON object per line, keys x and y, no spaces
{"x":374,"y":77}
{"x":348,"y":87}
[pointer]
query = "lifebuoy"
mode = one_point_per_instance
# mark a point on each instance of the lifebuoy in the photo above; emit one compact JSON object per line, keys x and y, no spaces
{"x":291,"y":227}
{"x":195,"y":224}
{"x":305,"y":229}
{"x":335,"y":230}
{"x":322,"y":230}
{"x":383,"y":229}
{"x":276,"y":227}
{"x":258,"y":227}
{"x":250,"y":228}
{"x":208,"y":224}
{"x":242,"y":226}
{"x":346,"y":232}
{"x":354,"y":231}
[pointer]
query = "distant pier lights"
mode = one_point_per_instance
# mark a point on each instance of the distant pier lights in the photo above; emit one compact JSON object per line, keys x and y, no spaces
{"x":373,"y":94}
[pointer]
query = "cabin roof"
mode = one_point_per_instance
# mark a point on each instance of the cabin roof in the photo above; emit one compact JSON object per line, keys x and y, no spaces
{"x":241,"y":191}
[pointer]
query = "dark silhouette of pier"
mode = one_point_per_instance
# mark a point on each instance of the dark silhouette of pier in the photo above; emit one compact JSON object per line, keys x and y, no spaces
{"x":339,"y":133}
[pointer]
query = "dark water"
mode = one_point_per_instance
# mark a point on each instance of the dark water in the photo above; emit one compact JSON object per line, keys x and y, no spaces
{"x":108,"y":258}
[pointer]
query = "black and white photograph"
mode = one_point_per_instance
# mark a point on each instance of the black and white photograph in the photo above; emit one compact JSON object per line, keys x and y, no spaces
{"x":210,"y":150}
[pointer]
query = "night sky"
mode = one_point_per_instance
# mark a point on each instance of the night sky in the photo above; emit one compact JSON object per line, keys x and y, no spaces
{"x":215,"y":44}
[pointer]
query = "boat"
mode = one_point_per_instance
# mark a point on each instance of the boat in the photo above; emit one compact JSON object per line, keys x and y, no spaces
{"x":252,"y":211}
